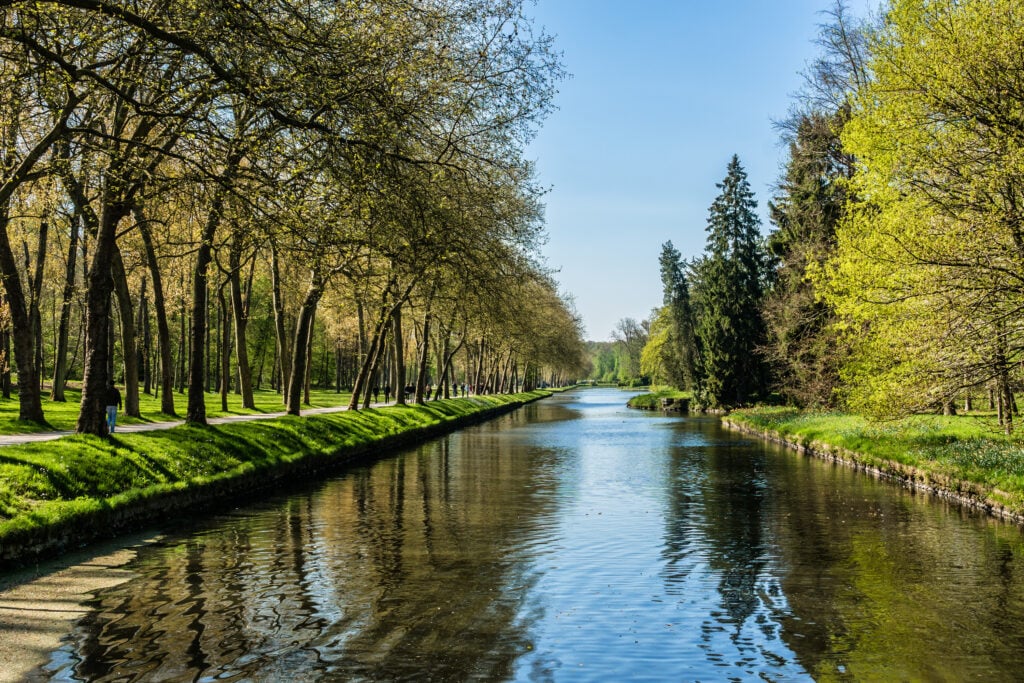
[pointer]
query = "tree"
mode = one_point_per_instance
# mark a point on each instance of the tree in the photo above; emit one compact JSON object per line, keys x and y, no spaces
{"x":680,"y":356}
{"x":728,"y":290}
{"x":930,"y":262}
{"x":802,"y":345}
{"x":631,"y":337}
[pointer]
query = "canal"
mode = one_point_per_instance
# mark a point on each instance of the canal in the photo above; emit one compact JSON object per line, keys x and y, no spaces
{"x":571,"y":540}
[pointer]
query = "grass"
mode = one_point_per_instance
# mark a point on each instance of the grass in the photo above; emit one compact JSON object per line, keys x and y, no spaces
{"x":63,"y":416}
{"x":51,"y":484}
{"x":652,"y":399}
{"x":965,"y":453}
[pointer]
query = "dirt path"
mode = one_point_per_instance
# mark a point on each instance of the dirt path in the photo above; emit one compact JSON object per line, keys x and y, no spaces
{"x":14,"y":439}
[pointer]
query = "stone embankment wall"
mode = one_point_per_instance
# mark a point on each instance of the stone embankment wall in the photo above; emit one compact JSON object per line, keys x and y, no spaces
{"x":964,"y":493}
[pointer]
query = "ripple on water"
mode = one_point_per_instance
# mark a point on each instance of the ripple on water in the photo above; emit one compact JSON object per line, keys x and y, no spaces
{"x":574,"y":540}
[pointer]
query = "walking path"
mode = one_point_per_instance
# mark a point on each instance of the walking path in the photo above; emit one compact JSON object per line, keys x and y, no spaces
{"x":15,"y":439}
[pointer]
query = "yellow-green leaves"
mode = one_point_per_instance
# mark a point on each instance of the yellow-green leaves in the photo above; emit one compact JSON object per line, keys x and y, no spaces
{"x":929,"y":270}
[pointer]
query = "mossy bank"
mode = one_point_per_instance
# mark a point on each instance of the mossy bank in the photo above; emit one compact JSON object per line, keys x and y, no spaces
{"x":62,"y":494}
{"x":957,"y":458}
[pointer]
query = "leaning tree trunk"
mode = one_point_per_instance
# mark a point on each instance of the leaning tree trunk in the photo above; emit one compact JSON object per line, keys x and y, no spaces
{"x":380,"y":353}
{"x":163,"y":329}
{"x":365,"y":366}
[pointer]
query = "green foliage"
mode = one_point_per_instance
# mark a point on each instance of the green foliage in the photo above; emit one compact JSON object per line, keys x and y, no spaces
{"x":728,"y":290}
{"x":677,"y":347}
{"x":803,"y":346}
{"x":928,"y":273}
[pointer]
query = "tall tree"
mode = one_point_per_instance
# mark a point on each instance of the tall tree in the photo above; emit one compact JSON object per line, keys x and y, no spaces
{"x":728,"y":291}
{"x":930,"y":262}
{"x":679,"y":353}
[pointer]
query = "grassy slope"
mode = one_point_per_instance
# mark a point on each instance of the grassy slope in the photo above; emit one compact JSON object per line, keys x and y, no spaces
{"x":44,"y":485}
{"x":961,"y":453}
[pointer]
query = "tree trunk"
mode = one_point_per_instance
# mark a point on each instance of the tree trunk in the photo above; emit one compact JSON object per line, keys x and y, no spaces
{"x":146,"y":348}
{"x":421,"y":379}
{"x":128,"y":335}
{"x":30,"y":405}
{"x":240,"y":316}
{"x":196,"y":413}
{"x":303,"y":330}
{"x":283,"y":352}
{"x":309,"y":359}
{"x":396,"y":323}
{"x":36,"y":295}
{"x":92,"y":419}
{"x":163,"y":330}
{"x":379,"y":354}
{"x":365,"y":366}
{"x":225,"y":350}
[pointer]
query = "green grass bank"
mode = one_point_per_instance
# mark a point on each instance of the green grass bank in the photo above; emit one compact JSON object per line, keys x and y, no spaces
{"x":64,"y":493}
{"x":652,"y":399}
{"x":964,"y":458}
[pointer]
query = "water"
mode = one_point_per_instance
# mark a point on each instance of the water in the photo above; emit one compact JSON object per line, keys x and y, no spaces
{"x":573,"y":540}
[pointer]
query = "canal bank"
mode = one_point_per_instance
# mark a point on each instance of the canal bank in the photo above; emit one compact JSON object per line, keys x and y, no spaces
{"x":61,"y":495}
{"x":976,"y":488}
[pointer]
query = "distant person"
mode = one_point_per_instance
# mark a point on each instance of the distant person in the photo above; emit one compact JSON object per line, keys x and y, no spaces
{"x":112,"y":399}
{"x":387,"y":393}
{"x":376,"y":393}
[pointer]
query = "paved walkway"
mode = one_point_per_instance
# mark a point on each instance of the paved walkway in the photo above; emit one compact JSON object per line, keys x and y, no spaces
{"x":14,"y":439}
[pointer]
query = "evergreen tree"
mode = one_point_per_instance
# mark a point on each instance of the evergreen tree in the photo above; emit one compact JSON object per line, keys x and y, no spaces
{"x":728,"y":291}
{"x":679,"y":354}
{"x":803,"y":347}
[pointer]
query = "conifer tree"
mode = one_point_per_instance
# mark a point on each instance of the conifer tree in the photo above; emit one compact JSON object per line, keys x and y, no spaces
{"x":680,"y":353}
{"x":728,"y":291}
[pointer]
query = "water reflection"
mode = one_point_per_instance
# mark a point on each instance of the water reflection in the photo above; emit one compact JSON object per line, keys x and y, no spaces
{"x":572,"y":540}
{"x":394,"y":570}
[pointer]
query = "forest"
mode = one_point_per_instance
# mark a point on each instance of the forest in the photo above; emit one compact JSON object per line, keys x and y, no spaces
{"x":891,"y":279}
{"x":272,"y":194}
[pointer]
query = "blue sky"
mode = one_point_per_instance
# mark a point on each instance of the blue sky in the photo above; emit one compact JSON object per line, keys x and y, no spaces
{"x":663,"y":93}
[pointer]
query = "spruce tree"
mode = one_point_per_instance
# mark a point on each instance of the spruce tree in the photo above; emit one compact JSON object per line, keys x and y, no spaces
{"x":680,"y":353}
{"x":728,"y":291}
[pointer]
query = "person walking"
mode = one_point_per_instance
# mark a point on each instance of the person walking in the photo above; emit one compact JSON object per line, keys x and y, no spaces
{"x":112,"y":398}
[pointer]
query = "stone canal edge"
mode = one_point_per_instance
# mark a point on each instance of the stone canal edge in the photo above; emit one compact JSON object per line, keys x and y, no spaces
{"x":967,"y":494}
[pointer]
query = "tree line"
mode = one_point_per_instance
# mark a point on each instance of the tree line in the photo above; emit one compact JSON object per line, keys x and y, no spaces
{"x":890,"y":282}
{"x":204,"y":196}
